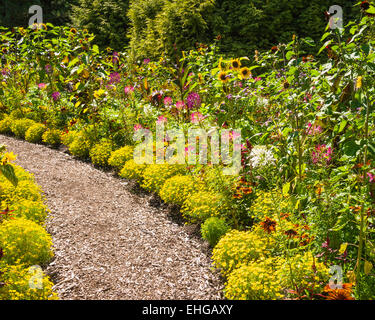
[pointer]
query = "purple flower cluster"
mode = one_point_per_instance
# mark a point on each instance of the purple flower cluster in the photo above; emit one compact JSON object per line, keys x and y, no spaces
{"x":193,"y":100}
{"x":114,"y":78}
{"x":56,"y":96}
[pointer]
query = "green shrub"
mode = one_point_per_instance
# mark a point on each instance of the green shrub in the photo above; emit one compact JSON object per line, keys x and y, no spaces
{"x":18,"y":279}
{"x":132,"y":170}
{"x":20,"y":126}
{"x":255,"y":281}
{"x":177,"y":189}
{"x":24,"y":241}
{"x":5,"y":125}
{"x":80,"y":147}
{"x":35,"y":133}
{"x":238,"y":247}
{"x":155,"y":175}
{"x":106,"y":19}
{"x":159,"y":26}
{"x":213,"y":229}
{"x":68,"y":137}
{"x":52,"y":137}
{"x":120,"y":156}
{"x":203,"y":205}
{"x":26,"y":189}
{"x":31,"y":210}
{"x":100,"y":153}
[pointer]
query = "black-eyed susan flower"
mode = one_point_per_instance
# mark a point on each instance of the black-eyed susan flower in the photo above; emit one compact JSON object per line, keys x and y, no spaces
{"x":268,"y":225}
{"x":73,"y":30}
{"x":245,"y":73}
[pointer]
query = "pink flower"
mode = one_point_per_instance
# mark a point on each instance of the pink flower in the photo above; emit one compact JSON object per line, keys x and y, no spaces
{"x":371,"y":177}
{"x":167,"y":101}
{"x":162,"y":119}
{"x":137,"y":127}
{"x":41,"y":85}
{"x":313,"y":130}
{"x":128,"y":90}
{"x":180,"y":105}
{"x":197,"y":117}
{"x":322,"y":154}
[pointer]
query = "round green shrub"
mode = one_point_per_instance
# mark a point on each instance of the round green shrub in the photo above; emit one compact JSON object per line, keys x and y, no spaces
{"x":52,"y":137}
{"x":100,"y":153}
{"x":20,"y":126}
{"x":120,"y":156}
{"x":24,"y":241}
{"x":202,"y":205}
{"x":132,"y":170}
{"x":34,"y":133}
{"x":177,"y":189}
{"x":155,"y":175}
{"x":80,"y":147}
{"x":213,"y":229}
{"x":238,"y":247}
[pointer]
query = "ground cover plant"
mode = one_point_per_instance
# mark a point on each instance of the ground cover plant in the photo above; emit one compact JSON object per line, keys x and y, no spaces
{"x":297,"y":220}
{"x":25,"y":246}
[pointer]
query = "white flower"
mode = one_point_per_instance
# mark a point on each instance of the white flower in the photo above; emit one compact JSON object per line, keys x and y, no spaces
{"x":261,"y":156}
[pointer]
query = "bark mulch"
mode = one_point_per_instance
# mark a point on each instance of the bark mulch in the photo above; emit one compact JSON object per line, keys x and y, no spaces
{"x":110,"y":243}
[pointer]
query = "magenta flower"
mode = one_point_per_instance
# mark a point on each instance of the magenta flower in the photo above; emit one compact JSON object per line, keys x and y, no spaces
{"x":137,"y":127}
{"x":114,"y":78}
{"x":146,"y":61}
{"x":56,"y":96}
{"x":322,"y":154}
{"x":41,"y":85}
{"x":371,"y":177}
{"x":193,"y":100}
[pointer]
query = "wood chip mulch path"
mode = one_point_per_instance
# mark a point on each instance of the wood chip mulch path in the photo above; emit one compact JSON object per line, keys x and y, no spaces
{"x":109,"y":244}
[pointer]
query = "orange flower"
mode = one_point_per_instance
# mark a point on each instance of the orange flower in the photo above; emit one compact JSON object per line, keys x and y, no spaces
{"x":268,"y":225}
{"x":339,"y":294}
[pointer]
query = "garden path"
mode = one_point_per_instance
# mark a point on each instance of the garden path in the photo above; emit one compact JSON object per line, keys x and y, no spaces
{"x":108,"y":242}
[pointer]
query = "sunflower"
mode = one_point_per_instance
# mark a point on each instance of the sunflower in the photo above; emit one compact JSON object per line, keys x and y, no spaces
{"x":223,"y":77}
{"x":245,"y":73}
{"x":236,"y":64}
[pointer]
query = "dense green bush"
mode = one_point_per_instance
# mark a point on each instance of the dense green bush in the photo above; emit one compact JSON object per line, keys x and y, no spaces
{"x":213,"y":229}
{"x":105,"y":18}
{"x":165,"y":26}
{"x":35,"y":133}
{"x":101,"y":152}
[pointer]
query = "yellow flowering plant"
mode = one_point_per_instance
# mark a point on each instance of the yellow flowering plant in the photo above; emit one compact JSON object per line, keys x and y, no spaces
{"x":177,"y":189}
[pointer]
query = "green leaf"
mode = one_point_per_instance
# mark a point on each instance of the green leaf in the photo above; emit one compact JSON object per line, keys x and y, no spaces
{"x":367,"y":267}
{"x":8,"y":172}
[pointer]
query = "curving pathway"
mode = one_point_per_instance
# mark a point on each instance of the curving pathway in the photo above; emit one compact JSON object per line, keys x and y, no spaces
{"x":108,"y":243}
